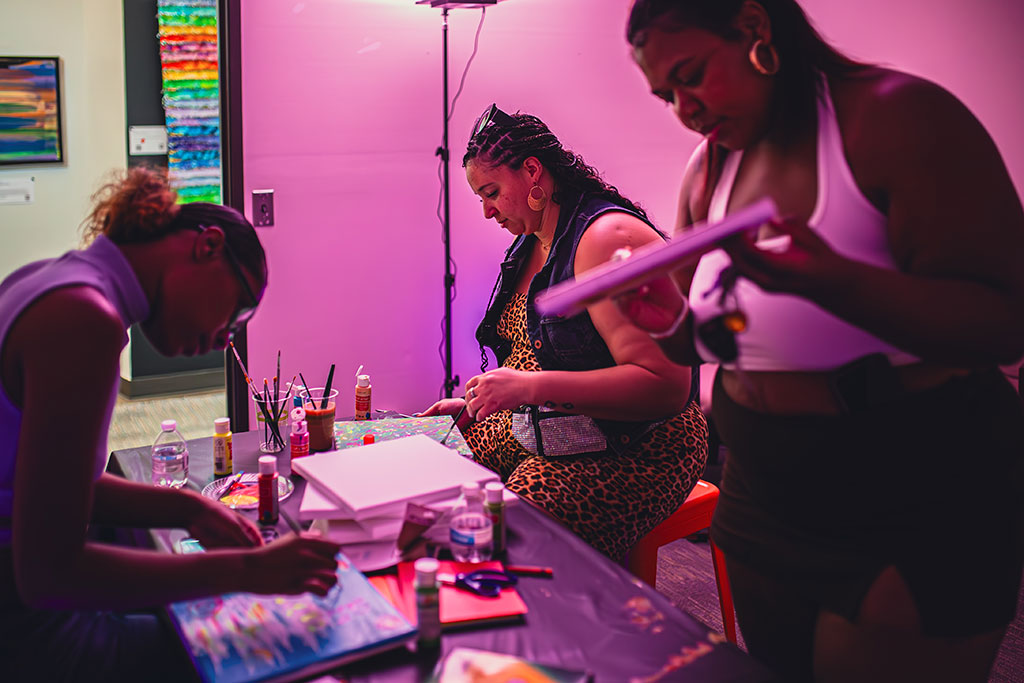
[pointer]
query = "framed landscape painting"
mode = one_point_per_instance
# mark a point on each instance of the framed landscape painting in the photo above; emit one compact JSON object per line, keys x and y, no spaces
{"x":30,"y":116}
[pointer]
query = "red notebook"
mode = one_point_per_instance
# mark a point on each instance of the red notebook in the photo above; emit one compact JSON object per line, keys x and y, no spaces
{"x":458,"y":607}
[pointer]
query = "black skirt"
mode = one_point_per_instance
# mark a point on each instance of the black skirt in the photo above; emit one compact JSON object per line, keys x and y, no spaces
{"x":931,"y":483}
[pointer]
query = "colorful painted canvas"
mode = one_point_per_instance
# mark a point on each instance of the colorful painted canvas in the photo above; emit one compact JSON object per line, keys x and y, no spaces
{"x":191,"y":97}
{"x":245,"y":637}
{"x":30,"y":116}
{"x":348,"y":434}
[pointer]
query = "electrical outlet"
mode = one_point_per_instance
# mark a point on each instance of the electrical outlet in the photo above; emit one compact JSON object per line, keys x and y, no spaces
{"x":262,"y":208}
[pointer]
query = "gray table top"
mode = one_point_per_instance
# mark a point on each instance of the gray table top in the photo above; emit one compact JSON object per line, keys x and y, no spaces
{"x":593,"y":615}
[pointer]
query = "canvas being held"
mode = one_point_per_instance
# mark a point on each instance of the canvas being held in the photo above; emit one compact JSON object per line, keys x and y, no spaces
{"x":506,"y":340}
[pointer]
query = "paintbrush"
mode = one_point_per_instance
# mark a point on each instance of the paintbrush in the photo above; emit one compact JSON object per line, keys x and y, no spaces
{"x":276,"y":380}
{"x":291,"y":522}
{"x":305,"y":386}
{"x":327,"y":388}
{"x":455,"y":421}
{"x":232,"y":484}
{"x":245,"y":373}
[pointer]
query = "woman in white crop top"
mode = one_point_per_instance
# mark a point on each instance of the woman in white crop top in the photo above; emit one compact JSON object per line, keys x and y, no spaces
{"x":873,"y":321}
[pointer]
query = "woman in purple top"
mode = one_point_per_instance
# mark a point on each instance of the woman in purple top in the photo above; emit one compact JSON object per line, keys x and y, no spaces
{"x":189,"y":275}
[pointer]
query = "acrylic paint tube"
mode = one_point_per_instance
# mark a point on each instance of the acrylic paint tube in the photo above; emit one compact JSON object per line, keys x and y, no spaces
{"x":299,"y":439}
{"x":268,"y":505}
{"x":363,"y":396}
{"x":222,"y":447}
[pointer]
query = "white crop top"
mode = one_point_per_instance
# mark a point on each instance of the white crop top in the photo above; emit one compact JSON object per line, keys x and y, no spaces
{"x":786,"y":332}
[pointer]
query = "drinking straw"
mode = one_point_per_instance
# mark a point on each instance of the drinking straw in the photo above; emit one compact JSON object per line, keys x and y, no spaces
{"x":327,"y":388}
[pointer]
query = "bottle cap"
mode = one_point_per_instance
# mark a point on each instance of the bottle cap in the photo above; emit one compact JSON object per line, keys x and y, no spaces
{"x":426,"y":569}
{"x":362,"y":380}
{"x":368,"y":439}
{"x":297,"y":401}
{"x":222,"y":425}
{"x":493,"y":490}
{"x":470,"y":488}
{"x":169,"y":425}
{"x":298,"y":414}
{"x":298,"y":426}
{"x":268,"y":464}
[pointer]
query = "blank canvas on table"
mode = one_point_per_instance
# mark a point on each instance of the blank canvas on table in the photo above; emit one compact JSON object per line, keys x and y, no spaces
{"x":378,"y":479}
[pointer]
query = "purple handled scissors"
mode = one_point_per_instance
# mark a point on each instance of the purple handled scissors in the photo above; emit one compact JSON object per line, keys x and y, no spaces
{"x":484,"y":582}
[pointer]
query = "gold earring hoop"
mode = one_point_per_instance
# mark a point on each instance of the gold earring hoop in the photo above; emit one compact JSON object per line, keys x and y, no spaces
{"x":755,"y":59}
{"x":540,"y":201}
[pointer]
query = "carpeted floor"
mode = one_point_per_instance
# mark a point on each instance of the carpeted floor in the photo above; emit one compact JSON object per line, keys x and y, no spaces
{"x":136,"y":422}
{"x":685,"y":573}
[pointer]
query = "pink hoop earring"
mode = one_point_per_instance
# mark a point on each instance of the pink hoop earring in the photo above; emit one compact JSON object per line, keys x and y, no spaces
{"x":755,"y":60}
{"x":539,"y":202}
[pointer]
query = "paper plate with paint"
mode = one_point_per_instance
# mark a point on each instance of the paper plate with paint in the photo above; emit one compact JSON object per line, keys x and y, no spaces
{"x":243,"y":492}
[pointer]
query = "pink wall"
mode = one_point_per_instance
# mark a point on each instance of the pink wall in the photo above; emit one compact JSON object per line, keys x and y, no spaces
{"x":342,"y":106}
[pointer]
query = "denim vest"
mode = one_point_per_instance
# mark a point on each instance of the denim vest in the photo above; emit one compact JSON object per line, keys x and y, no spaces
{"x":559,"y":342}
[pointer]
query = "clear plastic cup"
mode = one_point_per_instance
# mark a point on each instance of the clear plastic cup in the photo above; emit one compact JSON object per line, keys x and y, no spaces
{"x":319,"y":407}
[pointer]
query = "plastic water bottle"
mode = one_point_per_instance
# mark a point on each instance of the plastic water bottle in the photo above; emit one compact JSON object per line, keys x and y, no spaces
{"x":170,"y":457}
{"x":471,"y":531}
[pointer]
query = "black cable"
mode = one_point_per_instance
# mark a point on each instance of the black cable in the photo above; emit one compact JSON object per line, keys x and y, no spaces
{"x":440,"y":192}
{"x":465,"y":72}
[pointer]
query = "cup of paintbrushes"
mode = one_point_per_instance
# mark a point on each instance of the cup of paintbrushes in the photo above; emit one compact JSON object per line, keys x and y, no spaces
{"x":271,"y":421}
{"x":319,"y":405}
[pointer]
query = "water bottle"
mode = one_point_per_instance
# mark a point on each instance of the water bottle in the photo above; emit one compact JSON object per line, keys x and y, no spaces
{"x":471,"y":531}
{"x":169,"y":457}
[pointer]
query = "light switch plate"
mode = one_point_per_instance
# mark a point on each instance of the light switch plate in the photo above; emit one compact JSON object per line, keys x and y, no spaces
{"x":147,"y":140}
{"x":262,"y":208}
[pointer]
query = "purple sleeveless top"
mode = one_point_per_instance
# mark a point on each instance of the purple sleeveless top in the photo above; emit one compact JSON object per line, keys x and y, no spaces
{"x":100,"y":265}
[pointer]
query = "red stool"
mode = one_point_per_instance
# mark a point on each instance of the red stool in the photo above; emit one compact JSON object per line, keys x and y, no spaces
{"x":692,"y":516}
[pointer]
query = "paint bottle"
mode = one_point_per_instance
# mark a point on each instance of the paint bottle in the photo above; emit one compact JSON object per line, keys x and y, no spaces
{"x":221,"y":447}
{"x":362,"y":396}
{"x":368,"y":439}
{"x":428,"y":605}
{"x":299,"y":440}
{"x":494,"y":508}
{"x":268,"y":505}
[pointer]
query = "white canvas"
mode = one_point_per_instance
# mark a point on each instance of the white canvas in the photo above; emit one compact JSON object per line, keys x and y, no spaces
{"x":377,"y":480}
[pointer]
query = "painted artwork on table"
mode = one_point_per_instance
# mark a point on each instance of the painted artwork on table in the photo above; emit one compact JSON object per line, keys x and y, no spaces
{"x":245,"y":637}
{"x":437,"y":427}
{"x":30,"y":116}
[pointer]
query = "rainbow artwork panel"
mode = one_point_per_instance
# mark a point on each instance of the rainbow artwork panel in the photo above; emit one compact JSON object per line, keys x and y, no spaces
{"x":191,"y":97}
{"x":238,"y":637}
{"x":30,"y":118}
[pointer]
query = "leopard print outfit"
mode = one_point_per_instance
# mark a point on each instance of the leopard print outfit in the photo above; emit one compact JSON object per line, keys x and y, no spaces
{"x":609,"y":500}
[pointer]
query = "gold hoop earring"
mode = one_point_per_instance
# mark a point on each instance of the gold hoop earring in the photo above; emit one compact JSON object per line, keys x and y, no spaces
{"x":539,"y":202}
{"x":755,"y":60}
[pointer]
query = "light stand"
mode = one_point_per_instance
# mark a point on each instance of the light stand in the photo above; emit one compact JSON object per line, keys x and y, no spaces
{"x":450,"y":382}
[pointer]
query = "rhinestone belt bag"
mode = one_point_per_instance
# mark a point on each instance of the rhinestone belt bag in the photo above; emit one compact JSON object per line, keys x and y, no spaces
{"x":546,"y":432}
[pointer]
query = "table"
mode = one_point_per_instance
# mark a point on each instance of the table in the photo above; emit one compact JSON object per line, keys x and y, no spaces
{"x":593,"y":615}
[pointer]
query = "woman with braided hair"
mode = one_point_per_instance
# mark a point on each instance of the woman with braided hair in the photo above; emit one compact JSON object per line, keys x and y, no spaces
{"x":586,"y":417}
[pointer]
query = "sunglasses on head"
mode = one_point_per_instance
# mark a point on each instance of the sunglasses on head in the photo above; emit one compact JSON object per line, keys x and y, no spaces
{"x":718,"y":334}
{"x":491,"y":115}
{"x":244,"y":311}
